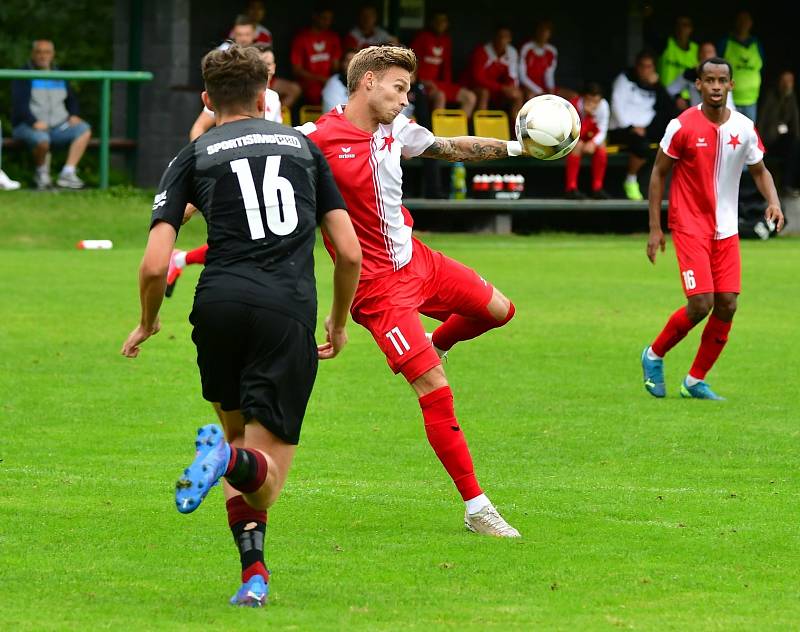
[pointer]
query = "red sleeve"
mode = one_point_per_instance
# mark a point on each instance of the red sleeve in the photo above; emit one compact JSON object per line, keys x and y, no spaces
{"x":350,"y":42}
{"x":447,"y":61}
{"x":296,"y":57}
{"x":480,"y":77}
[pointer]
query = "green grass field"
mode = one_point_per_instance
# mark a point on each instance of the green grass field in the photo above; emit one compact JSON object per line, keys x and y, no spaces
{"x":636,"y":513}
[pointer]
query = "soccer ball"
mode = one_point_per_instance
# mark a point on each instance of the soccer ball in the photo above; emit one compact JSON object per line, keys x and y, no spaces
{"x":548,"y":127}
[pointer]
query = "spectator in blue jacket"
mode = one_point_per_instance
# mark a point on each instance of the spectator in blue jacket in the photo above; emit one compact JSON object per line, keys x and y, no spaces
{"x":44,"y":113}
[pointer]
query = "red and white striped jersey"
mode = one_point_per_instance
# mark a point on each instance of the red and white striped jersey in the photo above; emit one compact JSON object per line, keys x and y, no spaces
{"x":704,"y":194}
{"x":537,"y":67}
{"x":367,"y":170}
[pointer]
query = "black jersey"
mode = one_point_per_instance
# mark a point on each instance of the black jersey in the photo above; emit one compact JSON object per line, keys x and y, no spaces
{"x":262,"y":188}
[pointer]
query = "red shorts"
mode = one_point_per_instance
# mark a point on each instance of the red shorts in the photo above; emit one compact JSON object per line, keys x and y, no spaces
{"x":450,"y":90}
{"x":430,"y":284}
{"x":708,"y":265}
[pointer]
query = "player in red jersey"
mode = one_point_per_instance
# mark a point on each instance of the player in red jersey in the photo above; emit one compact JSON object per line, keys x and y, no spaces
{"x":433,"y":48}
{"x":708,"y":146}
{"x":538,"y":59}
{"x":594,"y":113}
{"x":494,"y":73}
{"x":401,"y":277}
{"x":315,"y":55}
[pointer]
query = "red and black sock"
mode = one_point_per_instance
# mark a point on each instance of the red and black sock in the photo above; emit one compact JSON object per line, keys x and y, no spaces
{"x":676,"y":329}
{"x":447,"y":440}
{"x":248,"y":526}
{"x":712,"y":342}
{"x":247,"y":470}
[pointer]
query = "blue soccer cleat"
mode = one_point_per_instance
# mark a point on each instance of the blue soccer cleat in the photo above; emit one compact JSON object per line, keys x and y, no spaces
{"x":252,"y":594}
{"x":210,"y":463}
{"x":653,"y":371}
{"x":701,"y":390}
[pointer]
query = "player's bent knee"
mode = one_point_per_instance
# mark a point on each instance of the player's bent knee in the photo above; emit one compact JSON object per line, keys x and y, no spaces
{"x":500,"y":308}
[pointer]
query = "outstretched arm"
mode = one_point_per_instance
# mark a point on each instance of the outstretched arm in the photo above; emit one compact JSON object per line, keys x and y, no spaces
{"x":471,"y":148}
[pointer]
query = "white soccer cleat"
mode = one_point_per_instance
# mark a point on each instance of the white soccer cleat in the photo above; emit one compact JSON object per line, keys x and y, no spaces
{"x":489,"y":522}
{"x":442,"y":354}
{"x":6,"y":183}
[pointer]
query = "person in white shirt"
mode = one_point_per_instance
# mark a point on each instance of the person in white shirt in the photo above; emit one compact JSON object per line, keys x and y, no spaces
{"x":335,"y":91}
{"x":272,"y":111}
{"x":640,"y":110}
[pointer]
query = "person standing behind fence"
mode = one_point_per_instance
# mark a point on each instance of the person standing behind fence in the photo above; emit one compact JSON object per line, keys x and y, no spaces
{"x":679,"y":54}
{"x":746,"y":56}
{"x":779,"y":124}
{"x":44,"y":112}
{"x":684,"y":88}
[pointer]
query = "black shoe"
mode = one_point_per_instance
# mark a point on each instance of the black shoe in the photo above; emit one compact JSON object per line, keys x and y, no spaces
{"x":600,"y":194}
{"x":574,"y":195}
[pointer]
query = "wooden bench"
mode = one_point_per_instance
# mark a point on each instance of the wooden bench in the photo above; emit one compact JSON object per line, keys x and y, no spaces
{"x":496,"y":216}
{"x":119,"y":144}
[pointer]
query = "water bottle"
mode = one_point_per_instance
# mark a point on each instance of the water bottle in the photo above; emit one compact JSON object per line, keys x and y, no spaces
{"x":95,"y":244}
{"x":458,"y":181}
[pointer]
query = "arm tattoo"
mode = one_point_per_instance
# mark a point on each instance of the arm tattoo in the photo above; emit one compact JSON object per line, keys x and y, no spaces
{"x":466,"y":148}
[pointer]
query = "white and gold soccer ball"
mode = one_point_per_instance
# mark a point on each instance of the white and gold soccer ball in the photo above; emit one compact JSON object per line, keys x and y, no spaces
{"x":548,"y":127}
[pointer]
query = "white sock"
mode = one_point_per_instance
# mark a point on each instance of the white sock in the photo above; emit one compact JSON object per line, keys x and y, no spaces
{"x":42,"y":170}
{"x":631,"y":179}
{"x":180,"y":259}
{"x":474,"y":505}
{"x":691,"y":381}
{"x":651,"y":355}
{"x":68,"y":170}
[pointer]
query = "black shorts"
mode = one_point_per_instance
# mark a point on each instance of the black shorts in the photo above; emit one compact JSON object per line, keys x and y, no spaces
{"x":258,"y":361}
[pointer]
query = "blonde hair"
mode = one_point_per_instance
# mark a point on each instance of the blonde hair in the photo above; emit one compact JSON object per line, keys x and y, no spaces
{"x":378,"y":59}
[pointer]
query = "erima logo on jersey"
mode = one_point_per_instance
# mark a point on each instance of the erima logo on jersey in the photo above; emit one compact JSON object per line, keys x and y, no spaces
{"x":346,"y":153}
{"x":160,"y":200}
{"x":701,"y":142}
{"x":254,"y":139}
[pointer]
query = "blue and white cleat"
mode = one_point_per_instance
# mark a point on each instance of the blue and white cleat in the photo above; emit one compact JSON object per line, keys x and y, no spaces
{"x":252,"y":594}
{"x":653,"y":371}
{"x":701,"y":390}
{"x":210,"y":463}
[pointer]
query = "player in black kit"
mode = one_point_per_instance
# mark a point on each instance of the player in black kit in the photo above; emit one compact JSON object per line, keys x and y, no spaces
{"x":262,"y":188}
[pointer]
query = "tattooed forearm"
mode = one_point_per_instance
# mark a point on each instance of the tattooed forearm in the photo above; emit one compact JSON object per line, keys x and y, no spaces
{"x":466,"y":148}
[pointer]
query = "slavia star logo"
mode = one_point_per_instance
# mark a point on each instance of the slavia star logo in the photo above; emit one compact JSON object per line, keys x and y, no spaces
{"x":734,"y":141}
{"x":387,"y":142}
